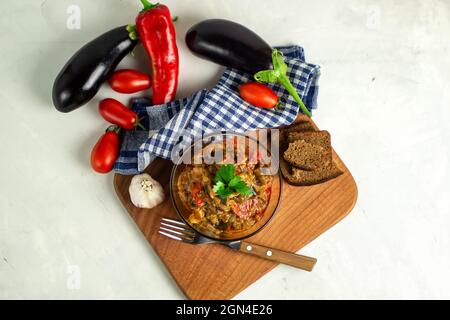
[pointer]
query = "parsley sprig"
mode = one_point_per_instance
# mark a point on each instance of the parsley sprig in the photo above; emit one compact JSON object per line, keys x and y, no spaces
{"x":227,"y":183}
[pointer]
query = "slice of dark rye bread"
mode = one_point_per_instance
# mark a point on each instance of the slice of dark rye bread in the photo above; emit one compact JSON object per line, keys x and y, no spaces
{"x":302,"y":126}
{"x":322,"y":138}
{"x":307,"y":156}
{"x":299,"y":127}
{"x":299,"y":177}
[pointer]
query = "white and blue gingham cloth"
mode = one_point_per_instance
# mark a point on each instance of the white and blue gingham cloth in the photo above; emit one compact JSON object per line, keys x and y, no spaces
{"x":218,"y":109}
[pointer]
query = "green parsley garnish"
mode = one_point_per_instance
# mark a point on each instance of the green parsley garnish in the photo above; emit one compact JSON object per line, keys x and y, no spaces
{"x":227,"y":183}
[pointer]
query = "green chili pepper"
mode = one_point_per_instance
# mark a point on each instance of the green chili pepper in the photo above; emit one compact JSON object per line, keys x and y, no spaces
{"x":278,"y":75}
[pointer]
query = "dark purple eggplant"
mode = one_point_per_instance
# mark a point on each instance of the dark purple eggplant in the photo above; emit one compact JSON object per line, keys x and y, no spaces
{"x":81,"y":77}
{"x":229,"y":44}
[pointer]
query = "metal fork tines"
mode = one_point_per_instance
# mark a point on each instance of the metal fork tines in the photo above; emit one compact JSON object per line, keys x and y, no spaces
{"x":176,"y":230}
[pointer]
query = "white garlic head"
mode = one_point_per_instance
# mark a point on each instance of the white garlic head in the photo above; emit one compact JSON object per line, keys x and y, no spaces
{"x":146,"y":192}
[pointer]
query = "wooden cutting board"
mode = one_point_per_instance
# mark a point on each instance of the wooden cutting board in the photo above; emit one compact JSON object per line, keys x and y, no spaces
{"x":216,"y":272}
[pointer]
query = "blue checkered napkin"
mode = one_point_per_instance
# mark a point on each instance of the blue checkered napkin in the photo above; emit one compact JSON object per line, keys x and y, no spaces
{"x":218,"y":109}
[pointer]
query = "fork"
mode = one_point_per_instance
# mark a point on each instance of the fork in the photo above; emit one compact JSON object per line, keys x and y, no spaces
{"x":178,"y":230}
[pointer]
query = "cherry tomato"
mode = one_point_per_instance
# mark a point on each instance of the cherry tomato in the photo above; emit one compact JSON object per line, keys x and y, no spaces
{"x":116,"y":113}
{"x":129,"y":81}
{"x":106,"y":151}
{"x":258,"y":95}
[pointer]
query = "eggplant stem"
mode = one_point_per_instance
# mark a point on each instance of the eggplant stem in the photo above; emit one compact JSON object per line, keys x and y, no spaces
{"x":132,"y":32}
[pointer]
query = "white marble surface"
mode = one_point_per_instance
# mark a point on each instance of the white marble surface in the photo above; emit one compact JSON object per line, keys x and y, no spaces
{"x":384,"y":96}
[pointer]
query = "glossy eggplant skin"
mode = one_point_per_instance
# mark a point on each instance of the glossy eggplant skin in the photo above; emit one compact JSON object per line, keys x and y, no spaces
{"x":229,"y":44}
{"x":81,"y":77}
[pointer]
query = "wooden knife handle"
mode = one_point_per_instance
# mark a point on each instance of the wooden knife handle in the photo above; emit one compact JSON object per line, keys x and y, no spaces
{"x":292,"y":259}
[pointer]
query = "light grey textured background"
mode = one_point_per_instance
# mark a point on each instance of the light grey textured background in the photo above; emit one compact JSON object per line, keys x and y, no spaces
{"x":384,"y":97}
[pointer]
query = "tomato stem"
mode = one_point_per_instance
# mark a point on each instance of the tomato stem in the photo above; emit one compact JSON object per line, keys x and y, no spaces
{"x":113,"y":128}
{"x":140,"y":125}
{"x":279,"y":106}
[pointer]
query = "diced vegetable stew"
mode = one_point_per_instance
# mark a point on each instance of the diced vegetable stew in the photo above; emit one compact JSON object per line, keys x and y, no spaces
{"x":221,"y":214}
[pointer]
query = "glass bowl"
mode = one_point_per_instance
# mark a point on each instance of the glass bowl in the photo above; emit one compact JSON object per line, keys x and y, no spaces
{"x":193,"y":153}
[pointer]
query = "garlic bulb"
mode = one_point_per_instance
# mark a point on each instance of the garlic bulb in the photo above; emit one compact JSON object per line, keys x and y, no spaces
{"x":145,"y":192}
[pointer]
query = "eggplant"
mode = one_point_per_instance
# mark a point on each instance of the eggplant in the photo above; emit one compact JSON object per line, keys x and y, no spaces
{"x":229,"y":44}
{"x":81,"y":77}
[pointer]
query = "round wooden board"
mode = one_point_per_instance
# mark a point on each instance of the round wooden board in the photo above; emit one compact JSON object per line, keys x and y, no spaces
{"x":216,"y":272}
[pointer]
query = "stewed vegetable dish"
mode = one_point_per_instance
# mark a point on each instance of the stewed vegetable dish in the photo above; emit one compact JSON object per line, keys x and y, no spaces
{"x":225,"y":198}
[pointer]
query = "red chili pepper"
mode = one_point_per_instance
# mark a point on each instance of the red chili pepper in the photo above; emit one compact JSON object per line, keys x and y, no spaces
{"x":106,"y":150}
{"x":157,"y":34}
{"x":116,"y":113}
{"x":129,"y":81}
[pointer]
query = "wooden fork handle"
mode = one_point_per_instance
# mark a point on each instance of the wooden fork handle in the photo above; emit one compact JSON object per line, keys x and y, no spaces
{"x":292,"y":259}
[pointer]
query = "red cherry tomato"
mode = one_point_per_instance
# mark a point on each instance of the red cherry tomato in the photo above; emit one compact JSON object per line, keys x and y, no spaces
{"x":106,"y":151}
{"x":116,"y":113}
{"x":258,"y":95}
{"x":129,"y":81}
